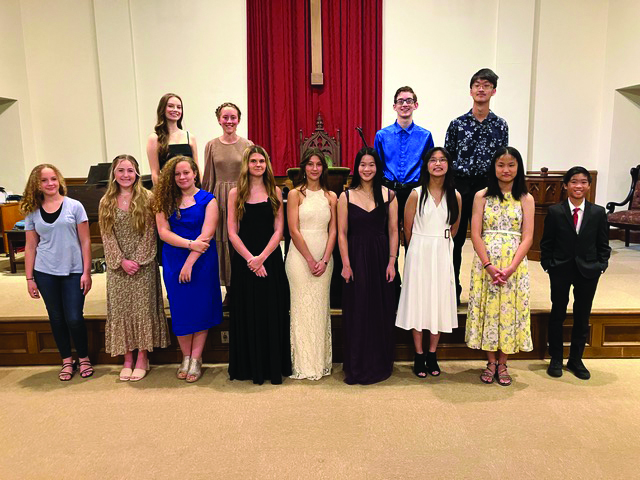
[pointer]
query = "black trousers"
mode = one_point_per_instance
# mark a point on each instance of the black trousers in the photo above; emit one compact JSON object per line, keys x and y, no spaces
{"x":64,"y":300}
{"x":584,"y":289}
{"x":467,"y":187}
{"x":402,"y":195}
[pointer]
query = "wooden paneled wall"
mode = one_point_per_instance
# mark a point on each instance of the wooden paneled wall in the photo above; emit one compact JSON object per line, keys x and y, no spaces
{"x":613,"y":334}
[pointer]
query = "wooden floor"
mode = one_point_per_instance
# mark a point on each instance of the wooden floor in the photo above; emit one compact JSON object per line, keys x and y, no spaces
{"x":25,"y":336}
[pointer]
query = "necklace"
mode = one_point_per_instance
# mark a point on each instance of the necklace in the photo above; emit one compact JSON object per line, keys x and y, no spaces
{"x":125,"y":201}
{"x":369,"y":195}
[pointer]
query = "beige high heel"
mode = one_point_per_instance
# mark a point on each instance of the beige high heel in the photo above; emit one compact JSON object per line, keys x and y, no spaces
{"x":195,"y":370}
{"x":183,"y":368}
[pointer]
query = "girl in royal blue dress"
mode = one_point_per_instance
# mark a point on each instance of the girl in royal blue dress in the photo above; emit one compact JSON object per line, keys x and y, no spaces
{"x":187,"y":218}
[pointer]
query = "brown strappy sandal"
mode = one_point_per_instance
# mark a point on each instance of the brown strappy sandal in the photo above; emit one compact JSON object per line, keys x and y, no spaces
{"x":487,"y":374}
{"x":504,"y":379}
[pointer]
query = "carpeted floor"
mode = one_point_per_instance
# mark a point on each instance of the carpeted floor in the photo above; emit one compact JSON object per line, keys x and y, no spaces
{"x":452,"y":427}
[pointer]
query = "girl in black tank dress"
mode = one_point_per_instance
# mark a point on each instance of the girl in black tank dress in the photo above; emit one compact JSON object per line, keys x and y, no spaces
{"x":169,"y":140}
{"x":368,"y":241}
{"x":259,"y":346}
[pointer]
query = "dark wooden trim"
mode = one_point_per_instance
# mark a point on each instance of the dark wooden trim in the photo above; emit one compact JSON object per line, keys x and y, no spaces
{"x":613,"y":334}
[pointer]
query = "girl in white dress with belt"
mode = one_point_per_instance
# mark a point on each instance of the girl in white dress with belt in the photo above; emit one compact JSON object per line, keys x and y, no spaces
{"x":428,"y":297}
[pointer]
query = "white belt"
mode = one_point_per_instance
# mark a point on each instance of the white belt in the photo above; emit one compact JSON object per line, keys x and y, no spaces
{"x":508,"y":232}
{"x":445,"y":234}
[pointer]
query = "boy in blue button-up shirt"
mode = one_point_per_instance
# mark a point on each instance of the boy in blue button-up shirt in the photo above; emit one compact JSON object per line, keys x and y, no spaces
{"x":401,"y":147}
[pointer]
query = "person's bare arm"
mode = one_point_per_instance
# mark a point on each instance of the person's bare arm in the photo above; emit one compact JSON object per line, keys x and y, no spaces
{"x":456,"y":224}
{"x":85,"y":244}
{"x":194,"y":151}
{"x":152,"y":157}
{"x":256,"y":263}
{"x":206,"y":233}
{"x":30,"y":260}
{"x":393,"y":239}
{"x":293,"y":207}
{"x":343,"y":227}
{"x":233,"y":227}
{"x":167,"y":236}
{"x":476,"y":237}
{"x":321,"y":266}
{"x":526,"y":240}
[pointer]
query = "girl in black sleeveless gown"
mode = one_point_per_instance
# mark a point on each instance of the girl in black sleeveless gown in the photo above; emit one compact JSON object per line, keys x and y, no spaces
{"x":259,"y":345}
{"x":368,"y":240}
{"x":168,"y":139}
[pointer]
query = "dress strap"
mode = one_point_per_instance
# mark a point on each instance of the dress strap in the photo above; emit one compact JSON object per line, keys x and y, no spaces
{"x":346,"y":192}
{"x":188,"y":142}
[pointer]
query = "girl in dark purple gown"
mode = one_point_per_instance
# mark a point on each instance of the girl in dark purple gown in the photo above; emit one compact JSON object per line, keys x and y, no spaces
{"x":368,"y":240}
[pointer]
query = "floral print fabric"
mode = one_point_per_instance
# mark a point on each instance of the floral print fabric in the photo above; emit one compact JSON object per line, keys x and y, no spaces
{"x":499,"y":316}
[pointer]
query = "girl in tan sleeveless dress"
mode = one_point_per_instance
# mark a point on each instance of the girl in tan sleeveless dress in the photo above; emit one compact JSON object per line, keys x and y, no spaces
{"x":223,"y":158}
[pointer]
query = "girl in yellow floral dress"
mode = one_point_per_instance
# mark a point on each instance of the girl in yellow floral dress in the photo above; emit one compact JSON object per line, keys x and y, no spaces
{"x":499,"y":320}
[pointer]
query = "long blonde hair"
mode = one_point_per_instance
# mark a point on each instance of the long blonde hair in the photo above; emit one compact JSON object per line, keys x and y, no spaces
{"x":161,"y":128}
{"x":33,"y":196}
{"x":242,"y":187}
{"x":139,"y":206}
{"x":166,"y":193}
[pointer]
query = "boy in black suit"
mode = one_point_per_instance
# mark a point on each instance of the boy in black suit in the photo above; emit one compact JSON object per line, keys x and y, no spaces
{"x":574,"y":251}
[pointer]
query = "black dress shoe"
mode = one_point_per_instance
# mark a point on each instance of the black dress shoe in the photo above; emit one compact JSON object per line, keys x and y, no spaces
{"x":578,"y":369}
{"x":555,"y":368}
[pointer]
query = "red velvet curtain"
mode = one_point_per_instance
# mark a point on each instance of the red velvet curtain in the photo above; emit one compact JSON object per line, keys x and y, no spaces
{"x":280,"y":95}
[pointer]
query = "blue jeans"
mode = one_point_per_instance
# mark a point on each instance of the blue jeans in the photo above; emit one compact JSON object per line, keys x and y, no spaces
{"x":64,"y":300}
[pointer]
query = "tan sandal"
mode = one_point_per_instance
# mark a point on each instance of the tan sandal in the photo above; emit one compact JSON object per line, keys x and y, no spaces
{"x":183,"y":368}
{"x":504,"y":379}
{"x":195,"y":370}
{"x":487,"y":374}
{"x":125,"y":374}
{"x":139,"y":373}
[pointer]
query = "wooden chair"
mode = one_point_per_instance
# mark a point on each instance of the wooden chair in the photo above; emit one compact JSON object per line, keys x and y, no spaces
{"x":627,"y":219}
{"x":320,"y":139}
{"x":330,"y":146}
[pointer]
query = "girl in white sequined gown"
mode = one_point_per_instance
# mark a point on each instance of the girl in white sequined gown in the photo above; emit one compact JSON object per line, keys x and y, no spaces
{"x":311,"y":212}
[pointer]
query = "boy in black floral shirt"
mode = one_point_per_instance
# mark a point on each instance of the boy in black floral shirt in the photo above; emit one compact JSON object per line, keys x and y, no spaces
{"x":472,"y":139}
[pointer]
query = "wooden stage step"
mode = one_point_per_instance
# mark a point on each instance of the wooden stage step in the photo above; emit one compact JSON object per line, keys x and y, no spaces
{"x":613,"y":334}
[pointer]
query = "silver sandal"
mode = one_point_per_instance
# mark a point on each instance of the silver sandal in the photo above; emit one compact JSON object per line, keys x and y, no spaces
{"x":195,"y":370}
{"x":183,"y":368}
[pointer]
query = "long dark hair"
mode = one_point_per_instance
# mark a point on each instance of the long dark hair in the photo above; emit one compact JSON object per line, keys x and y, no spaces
{"x":449,"y":187}
{"x":518,"y":187}
{"x":161,"y":128}
{"x":301,"y":181}
{"x":356,"y":181}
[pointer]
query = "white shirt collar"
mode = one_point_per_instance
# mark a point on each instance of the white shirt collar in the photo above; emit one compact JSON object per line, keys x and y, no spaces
{"x":571,"y":206}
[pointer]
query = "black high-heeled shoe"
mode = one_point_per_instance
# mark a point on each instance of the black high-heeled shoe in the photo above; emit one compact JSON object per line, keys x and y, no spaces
{"x":432,"y":364}
{"x":419,"y":366}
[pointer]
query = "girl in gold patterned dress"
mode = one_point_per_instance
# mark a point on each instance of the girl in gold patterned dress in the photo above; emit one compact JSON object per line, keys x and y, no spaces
{"x":502,"y":233}
{"x":135,"y":311}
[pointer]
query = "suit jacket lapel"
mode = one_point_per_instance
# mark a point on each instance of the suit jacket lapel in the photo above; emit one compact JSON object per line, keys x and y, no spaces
{"x":568,"y":215}
{"x":586,"y":216}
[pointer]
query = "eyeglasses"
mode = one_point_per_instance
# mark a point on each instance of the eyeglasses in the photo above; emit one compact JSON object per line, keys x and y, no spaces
{"x":407,"y":101}
{"x":483,"y":86}
{"x":437,"y":160}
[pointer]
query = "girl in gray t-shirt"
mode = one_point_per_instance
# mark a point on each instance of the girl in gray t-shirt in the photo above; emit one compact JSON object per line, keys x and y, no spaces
{"x":58,"y":262}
